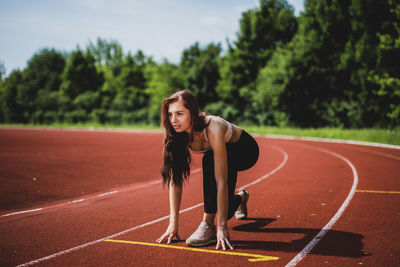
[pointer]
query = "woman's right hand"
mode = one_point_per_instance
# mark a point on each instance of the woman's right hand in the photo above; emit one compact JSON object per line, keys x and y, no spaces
{"x":172,"y":231}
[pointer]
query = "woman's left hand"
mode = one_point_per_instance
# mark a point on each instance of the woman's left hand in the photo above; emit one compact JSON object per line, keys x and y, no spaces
{"x":223,"y":239}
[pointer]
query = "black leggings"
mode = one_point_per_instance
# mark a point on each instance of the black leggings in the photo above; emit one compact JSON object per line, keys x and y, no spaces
{"x":241,"y":156}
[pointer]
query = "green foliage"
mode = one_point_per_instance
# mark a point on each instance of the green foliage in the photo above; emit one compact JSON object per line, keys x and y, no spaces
{"x":11,"y":110}
{"x":223,"y":109}
{"x":108,"y":58}
{"x":163,"y":80}
{"x":335,"y":65}
{"x":262,"y":30}
{"x":86,"y":101}
{"x":123,"y":94}
{"x":385,"y":76}
{"x":325,"y":75}
{"x":132,"y":82}
{"x":80,"y":75}
{"x":2,"y":71}
{"x":201,"y":72}
{"x":40,"y":78}
{"x":108,"y":54}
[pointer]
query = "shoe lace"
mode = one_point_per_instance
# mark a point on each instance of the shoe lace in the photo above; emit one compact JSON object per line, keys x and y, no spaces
{"x":200,"y":231}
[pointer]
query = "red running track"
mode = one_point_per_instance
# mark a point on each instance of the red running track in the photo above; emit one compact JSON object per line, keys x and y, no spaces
{"x":90,"y":198}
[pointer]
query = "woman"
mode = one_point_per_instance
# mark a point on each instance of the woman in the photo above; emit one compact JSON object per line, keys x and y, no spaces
{"x":227,"y":149}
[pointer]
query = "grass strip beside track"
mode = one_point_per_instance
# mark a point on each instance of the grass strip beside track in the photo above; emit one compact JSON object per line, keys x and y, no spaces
{"x":383,"y":136}
{"x":253,"y":257}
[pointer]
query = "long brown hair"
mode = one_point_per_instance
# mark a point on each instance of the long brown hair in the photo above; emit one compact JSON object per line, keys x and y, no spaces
{"x":177,"y":158}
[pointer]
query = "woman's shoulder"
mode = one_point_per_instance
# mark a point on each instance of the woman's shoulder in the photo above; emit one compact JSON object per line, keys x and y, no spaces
{"x":216,"y":123}
{"x":215,"y":119}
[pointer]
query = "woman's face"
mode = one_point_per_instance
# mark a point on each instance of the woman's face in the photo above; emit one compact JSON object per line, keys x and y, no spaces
{"x":179,"y":117}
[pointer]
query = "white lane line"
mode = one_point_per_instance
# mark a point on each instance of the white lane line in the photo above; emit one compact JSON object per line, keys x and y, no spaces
{"x":285,"y":158}
{"x":328,"y":140}
{"x":336,"y":217}
{"x":52,"y":256}
{"x":91,"y":198}
{"x":108,"y":193}
{"x":57,"y":254}
{"x":78,"y":200}
{"x":20,"y":212}
{"x":377,"y":153}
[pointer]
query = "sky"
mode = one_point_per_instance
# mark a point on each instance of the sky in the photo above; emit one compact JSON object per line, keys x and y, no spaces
{"x":160,"y":28}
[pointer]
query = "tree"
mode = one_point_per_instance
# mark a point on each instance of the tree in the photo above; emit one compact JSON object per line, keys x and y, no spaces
{"x":107,"y":54}
{"x":302,"y":84}
{"x":40,"y":80}
{"x":385,"y":76}
{"x":261,"y":31}
{"x":108,"y":57}
{"x":163,"y":80}
{"x":11,"y":110}
{"x":78,"y":90}
{"x":80,"y":75}
{"x":131,"y":100}
{"x":132,"y":80}
{"x":362,"y":60}
{"x":201,"y":72}
{"x":2,"y":71}
{"x":331,"y":72}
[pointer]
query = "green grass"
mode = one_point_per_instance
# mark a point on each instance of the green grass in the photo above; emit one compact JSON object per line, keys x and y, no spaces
{"x":368,"y":135}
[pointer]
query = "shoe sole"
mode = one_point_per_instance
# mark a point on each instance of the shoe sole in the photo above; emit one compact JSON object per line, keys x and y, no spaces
{"x":201,"y":244}
{"x":243,"y":216}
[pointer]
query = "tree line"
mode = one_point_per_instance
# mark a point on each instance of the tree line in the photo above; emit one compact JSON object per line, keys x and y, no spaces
{"x":336,"y":64}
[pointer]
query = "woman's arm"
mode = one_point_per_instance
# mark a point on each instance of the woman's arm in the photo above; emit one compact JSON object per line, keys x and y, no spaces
{"x":221,"y":178}
{"x":216,"y":139}
{"x":175,"y":196}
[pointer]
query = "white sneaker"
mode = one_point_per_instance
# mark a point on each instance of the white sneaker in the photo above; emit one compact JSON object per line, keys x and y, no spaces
{"x":241,"y":212}
{"x":204,"y":235}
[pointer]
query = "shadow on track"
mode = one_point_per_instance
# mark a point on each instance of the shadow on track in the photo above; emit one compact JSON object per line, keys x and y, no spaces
{"x":334,"y":243}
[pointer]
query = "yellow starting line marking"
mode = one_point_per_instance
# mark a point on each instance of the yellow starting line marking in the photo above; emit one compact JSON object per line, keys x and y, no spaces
{"x":379,"y":192}
{"x":253,"y":257}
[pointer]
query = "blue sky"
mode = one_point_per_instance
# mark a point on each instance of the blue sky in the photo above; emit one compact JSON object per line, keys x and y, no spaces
{"x":160,"y":28}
